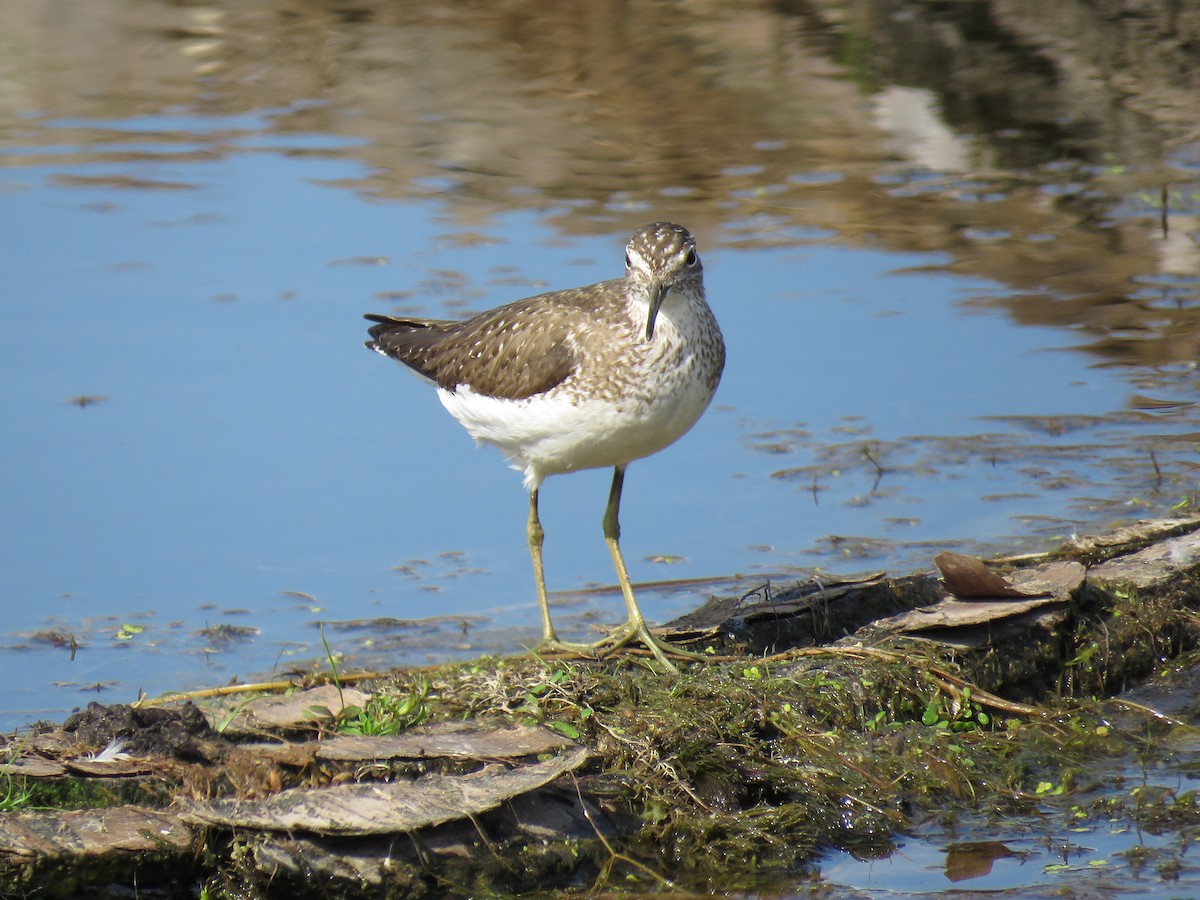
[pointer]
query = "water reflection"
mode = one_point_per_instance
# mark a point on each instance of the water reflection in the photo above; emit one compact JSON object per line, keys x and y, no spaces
{"x":957,"y":270}
{"x":1117,"y":829}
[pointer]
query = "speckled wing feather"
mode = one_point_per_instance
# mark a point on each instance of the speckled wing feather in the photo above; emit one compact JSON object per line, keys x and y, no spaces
{"x":512,"y":352}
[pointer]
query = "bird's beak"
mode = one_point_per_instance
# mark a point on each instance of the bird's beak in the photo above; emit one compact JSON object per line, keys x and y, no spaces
{"x":658,"y":293}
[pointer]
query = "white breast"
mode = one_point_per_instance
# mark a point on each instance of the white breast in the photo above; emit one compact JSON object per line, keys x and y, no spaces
{"x":554,"y":434}
{"x":603,"y":417}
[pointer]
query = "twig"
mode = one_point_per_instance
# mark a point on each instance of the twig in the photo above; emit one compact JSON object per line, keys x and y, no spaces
{"x":1150,"y":711}
{"x":264,"y":687}
{"x":613,"y":854}
{"x":866,"y":451}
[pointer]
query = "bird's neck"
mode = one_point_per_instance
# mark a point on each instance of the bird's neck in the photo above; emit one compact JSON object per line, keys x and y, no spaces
{"x":679,"y":308}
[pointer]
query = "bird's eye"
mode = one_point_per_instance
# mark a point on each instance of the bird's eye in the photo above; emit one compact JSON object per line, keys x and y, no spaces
{"x":628,"y":262}
{"x":692,"y":259}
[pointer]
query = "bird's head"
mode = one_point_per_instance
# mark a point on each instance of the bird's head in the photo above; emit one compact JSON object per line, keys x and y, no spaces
{"x":661,"y":258}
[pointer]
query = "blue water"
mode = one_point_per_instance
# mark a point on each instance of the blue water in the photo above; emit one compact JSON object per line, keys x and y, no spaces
{"x":254,"y":465}
{"x":1069,"y":848}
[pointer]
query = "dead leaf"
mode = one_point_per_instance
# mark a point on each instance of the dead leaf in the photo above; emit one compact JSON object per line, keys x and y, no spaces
{"x":79,"y":835}
{"x":35,"y":767}
{"x":1059,"y":579}
{"x":1032,"y":588}
{"x":296,"y":755}
{"x":952,"y":613}
{"x":464,"y":740}
{"x":385,"y":808}
{"x":1152,"y":566}
{"x":967,"y":577}
{"x":295,"y":710}
{"x":113,"y":768}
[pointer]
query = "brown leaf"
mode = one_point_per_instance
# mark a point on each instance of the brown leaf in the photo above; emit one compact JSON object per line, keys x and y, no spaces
{"x":386,"y":808}
{"x":952,"y":613}
{"x":968,"y":577}
{"x":1058,"y":579}
{"x":1034,"y":588}
{"x":74,"y":837}
{"x":116,"y":768}
{"x":295,"y":710}
{"x":34,"y":767}
{"x":464,"y":740}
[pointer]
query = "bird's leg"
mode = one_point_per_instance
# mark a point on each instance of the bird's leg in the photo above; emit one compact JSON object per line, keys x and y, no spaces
{"x":635,"y":625}
{"x":537,"y":537}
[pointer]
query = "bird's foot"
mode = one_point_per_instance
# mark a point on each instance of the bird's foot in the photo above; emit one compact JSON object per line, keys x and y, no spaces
{"x":551,"y":643}
{"x":630,"y":632}
{"x":639,"y":632}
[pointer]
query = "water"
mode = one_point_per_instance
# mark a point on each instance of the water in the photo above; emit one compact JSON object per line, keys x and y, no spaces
{"x":1113,"y":860}
{"x":910,"y":367}
{"x":1123,"y":829}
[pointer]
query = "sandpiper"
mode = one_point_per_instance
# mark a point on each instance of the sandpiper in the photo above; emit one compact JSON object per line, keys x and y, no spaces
{"x":584,"y":378}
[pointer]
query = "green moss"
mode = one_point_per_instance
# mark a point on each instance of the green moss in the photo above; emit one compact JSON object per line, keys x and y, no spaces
{"x":772,"y":761}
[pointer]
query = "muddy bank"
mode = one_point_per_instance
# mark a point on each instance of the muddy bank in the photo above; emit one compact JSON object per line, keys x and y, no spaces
{"x":830,"y":716}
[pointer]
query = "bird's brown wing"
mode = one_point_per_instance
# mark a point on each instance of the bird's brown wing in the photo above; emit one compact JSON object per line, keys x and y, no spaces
{"x":509,"y":352}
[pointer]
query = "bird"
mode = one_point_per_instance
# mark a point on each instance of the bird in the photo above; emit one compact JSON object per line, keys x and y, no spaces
{"x":589,"y":377}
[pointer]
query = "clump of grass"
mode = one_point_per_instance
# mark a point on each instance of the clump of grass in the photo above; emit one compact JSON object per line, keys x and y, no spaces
{"x":15,"y":793}
{"x":385,"y":713}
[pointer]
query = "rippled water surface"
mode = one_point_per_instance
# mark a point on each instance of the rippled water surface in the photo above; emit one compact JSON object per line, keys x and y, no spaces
{"x":938,"y":335}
